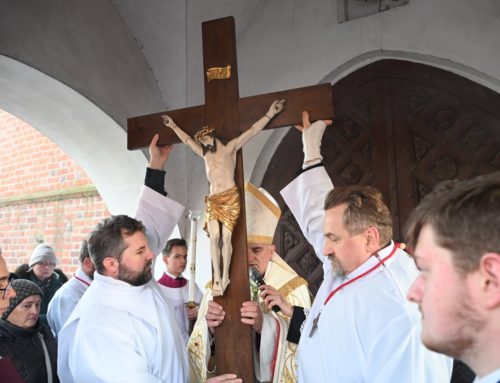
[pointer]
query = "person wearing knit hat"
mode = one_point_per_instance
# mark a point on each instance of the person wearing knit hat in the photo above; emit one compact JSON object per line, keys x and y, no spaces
{"x":40,"y":270}
{"x":276,"y":356}
{"x":26,"y":341}
{"x":23,"y":289}
{"x":43,"y":253}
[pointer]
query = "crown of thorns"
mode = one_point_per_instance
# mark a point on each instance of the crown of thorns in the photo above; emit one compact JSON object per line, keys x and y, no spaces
{"x":206,"y":131}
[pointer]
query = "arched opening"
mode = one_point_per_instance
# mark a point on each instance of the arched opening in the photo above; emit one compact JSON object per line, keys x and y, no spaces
{"x":94,"y":140}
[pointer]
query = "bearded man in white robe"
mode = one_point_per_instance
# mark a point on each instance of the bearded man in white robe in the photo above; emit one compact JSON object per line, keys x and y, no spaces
{"x":155,"y":210}
{"x":123,"y":329}
{"x":361,"y":328}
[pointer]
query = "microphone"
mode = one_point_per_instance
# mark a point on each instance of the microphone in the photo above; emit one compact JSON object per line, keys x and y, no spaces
{"x":257,"y":278}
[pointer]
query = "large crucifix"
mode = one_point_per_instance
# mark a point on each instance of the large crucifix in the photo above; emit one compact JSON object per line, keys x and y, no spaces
{"x":229,"y":114}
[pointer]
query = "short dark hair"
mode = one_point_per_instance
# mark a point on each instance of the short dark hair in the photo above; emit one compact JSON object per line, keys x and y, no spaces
{"x":365,"y":208}
{"x":106,"y":240}
{"x":173,"y":242}
{"x":84,"y":251}
{"x":465,"y":218}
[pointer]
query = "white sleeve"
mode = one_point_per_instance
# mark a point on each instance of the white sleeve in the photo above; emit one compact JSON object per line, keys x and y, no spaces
{"x":269,"y":332}
{"x":160,"y":215}
{"x":397,"y":355}
{"x":305,"y":196}
{"x":60,"y":308}
{"x":198,"y":294}
{"x":109,"y":354}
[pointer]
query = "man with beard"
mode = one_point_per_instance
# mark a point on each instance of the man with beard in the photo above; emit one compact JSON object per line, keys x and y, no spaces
{"x":158,"y":213}
{"x":455,"y":234}
{"x":122,"y":330}
{"x":223,"y":203}
{"x":360,"y":327}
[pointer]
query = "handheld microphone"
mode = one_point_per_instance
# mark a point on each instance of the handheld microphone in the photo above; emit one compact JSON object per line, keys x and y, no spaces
{"x":257,"y":278}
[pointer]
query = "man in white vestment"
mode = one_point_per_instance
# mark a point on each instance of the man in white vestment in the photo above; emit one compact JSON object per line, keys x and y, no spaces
{"x":65,"y":299}
{"x":158,"y":213}
{"x":123,"y":329}
{"x":455,"y":234}
{"x":360,"y":328}
{"x":176,"y":287}
{"x":275,"y":358}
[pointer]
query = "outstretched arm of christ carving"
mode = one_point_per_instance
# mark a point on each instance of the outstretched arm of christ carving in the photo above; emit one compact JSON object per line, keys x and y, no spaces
{"x":183,"y":136}
{"x":275,"y":108}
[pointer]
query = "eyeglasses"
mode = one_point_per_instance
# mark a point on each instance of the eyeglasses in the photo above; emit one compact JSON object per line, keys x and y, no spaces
{"x":46,"y":264}
{"x":9,"y":281}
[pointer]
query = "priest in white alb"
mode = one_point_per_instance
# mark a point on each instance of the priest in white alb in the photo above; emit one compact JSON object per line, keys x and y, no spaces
{"x":154,"y":209}
{"x":361,"y":328}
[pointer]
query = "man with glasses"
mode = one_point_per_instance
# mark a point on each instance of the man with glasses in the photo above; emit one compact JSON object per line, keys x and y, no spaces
{"x":6,"y":292}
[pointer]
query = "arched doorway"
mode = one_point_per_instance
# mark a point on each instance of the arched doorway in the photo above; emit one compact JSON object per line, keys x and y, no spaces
{"x":401,"y":127}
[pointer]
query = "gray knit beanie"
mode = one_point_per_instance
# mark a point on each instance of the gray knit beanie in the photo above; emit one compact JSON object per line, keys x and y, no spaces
{"x":24,"y":289}
{"x":42,"y":253}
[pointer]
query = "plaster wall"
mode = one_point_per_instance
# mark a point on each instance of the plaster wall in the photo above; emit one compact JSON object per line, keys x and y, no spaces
{"x":85,"y":45}
{"x":287,"y":44}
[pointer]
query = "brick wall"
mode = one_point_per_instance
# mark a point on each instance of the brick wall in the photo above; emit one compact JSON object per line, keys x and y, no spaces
{"x":44,"y":196}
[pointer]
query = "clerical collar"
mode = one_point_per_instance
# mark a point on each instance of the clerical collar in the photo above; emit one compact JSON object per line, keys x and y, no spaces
{"x":371,"y":261}
{"x":82,"y":277}
{"x":173,"y":276}
{"x":492,"y":377}
{"x":117,"y":283}
{"x":172,"y":282}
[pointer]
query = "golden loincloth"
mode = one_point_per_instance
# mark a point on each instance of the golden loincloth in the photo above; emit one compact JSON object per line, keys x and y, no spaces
{"x":223,"y":207}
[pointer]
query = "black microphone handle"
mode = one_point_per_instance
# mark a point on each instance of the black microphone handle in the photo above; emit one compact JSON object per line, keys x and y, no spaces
{"x":260,"y":282}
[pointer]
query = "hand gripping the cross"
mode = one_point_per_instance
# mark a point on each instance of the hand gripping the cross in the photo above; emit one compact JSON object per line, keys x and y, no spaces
{"x":311,"y":139}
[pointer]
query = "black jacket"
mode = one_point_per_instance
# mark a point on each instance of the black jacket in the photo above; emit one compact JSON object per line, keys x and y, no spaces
{"x":24,"y":348}
{"x":49,"y":287}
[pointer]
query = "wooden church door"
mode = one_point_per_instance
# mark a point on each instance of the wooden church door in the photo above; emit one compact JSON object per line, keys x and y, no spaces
{"x":401,"y":127}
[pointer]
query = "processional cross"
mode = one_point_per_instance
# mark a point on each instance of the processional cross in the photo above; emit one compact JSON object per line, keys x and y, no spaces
{"x":228,"y":114}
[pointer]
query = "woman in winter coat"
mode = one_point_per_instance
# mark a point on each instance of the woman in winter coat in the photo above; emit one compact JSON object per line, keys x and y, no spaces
{"x":41,"y":270}
{"x":26,"y":341}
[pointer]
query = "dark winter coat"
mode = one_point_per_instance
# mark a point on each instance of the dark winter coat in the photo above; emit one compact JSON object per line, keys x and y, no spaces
{"x":49,"y":287}
{"x":24,"y":348}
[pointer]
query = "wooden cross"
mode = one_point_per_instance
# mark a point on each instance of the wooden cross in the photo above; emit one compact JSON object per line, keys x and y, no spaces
{"x":228,"y":114}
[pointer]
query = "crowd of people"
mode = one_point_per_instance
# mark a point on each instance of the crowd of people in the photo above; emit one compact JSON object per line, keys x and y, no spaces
{"x":384,"y":312}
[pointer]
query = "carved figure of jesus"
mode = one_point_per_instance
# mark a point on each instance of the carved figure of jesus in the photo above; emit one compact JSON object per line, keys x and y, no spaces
{"x":222,"y":205}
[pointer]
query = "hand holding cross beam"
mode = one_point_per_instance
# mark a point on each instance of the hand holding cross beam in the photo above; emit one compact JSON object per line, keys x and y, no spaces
{"x":223,"y":202}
